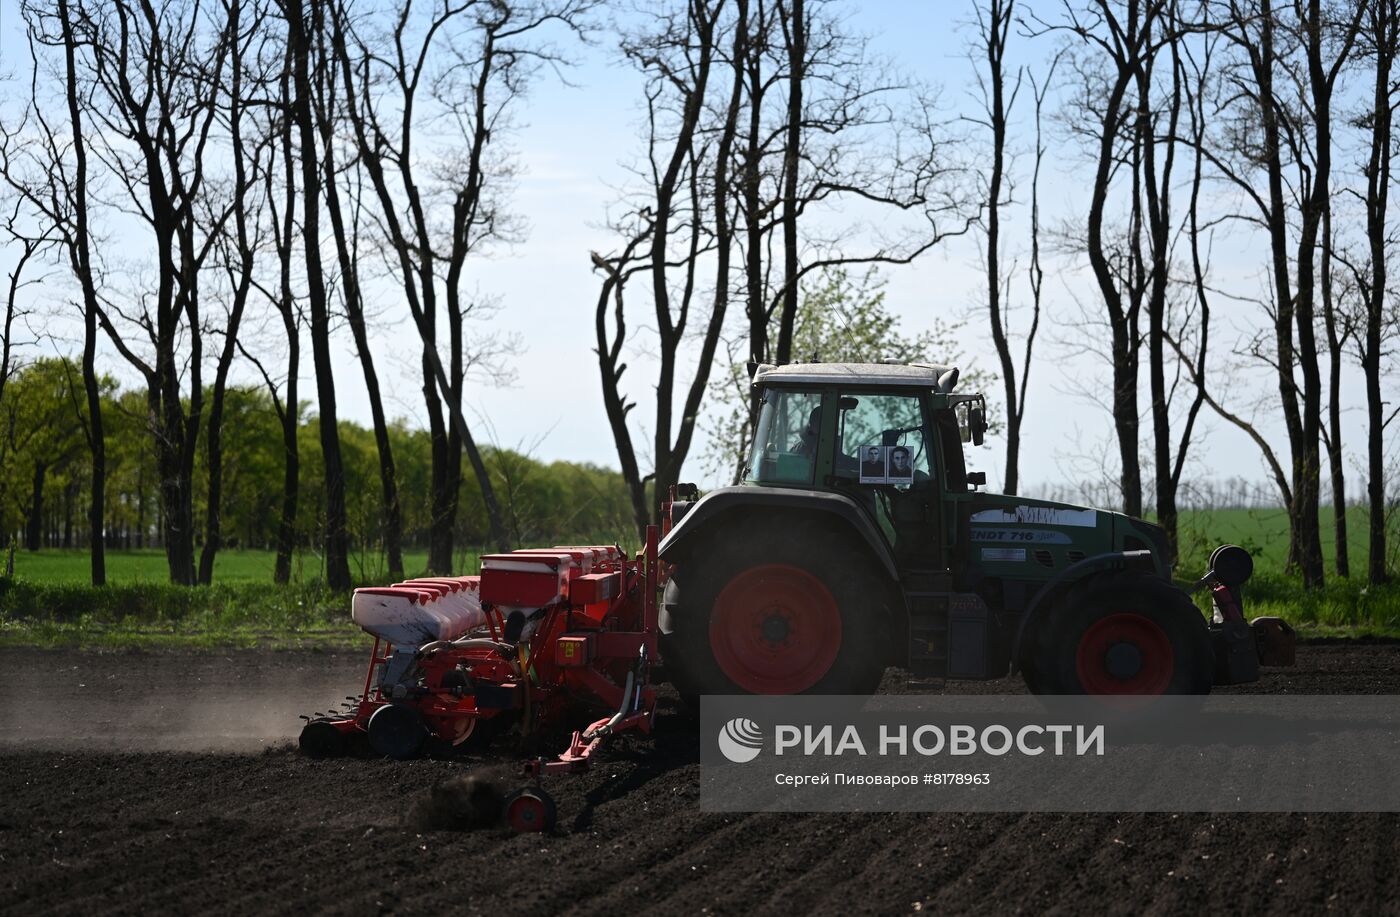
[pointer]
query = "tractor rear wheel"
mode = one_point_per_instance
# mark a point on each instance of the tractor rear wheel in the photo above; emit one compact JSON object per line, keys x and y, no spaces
{"x":1122,"y":633}
{"x":776,"y":611}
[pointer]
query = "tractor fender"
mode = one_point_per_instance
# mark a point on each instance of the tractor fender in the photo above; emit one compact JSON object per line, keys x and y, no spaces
{"x":725,"y":500}
{"x":1089,"y":566}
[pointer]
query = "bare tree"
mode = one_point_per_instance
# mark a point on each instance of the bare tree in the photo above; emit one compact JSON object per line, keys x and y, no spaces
{"x":1124,"y":38}
{"x":1273,"y":135}
{"x":851,"y":133}
{"x":464,"y":65}
{"x":80,"y":258}
{"x":58,"y":188}
{"x":148,"y":78}
{"x":754,"y":210}
{"x":1193,"y":84}
{"x":1381,"y":41}
{"x":328,"y":117}
{"x":304,"y":24}
{"x":1157,"y":127}
{"x":669,"y":230}
{"x":993,"y":29}
{"x":237,"y":255}
{"x":793,"y":17}
{"x":284,"y":300}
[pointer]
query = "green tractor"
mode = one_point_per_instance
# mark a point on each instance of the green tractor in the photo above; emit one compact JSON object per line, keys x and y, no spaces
{"x":859,"y":540}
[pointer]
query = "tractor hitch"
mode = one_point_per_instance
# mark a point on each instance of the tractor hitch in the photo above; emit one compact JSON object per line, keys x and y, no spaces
{"x":1241,"y":646}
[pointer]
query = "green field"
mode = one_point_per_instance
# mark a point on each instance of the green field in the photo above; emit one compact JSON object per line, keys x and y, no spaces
{"x":148,"y":565}
{"x":49,"y":603}
{"x":1265,"y":533}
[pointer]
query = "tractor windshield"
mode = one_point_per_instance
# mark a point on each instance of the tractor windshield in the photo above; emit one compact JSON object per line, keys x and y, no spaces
{"x":785,"y":443}
{"x":882,"y":436}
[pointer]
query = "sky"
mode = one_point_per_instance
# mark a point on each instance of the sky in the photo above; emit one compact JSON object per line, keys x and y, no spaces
{"x":572,"y":144}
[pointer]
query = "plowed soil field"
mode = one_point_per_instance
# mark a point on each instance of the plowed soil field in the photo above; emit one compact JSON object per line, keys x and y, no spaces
{"x":167,"y":783}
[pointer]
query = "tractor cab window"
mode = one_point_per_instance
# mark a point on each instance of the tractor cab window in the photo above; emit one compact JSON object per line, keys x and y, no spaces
{"x":785,"y":443}
{"x":881,"y":440}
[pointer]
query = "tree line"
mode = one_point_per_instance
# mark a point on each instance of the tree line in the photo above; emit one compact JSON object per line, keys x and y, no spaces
{"x":268,"y":165}
{"x":47,"y":485}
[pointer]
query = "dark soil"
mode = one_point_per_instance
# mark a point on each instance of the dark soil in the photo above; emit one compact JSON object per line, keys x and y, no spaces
{"x":93,"y":821}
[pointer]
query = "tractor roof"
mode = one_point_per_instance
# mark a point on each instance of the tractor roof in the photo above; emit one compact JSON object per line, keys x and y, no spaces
{"x":913,"y":375}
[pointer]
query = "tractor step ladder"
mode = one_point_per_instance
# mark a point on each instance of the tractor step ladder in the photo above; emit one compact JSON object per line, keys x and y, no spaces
{"x":926,"y":597}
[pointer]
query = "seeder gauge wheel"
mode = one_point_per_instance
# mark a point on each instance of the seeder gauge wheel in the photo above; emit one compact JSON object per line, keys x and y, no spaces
{"x":530,"y":809}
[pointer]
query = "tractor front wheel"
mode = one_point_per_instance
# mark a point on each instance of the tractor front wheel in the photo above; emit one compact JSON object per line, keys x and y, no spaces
{"x":1123,"y":633}
{"x":770,"y":612}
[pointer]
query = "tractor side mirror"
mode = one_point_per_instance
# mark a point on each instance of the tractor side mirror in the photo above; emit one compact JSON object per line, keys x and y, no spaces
{"x":977,"y":478}
{"x":976,"y":424}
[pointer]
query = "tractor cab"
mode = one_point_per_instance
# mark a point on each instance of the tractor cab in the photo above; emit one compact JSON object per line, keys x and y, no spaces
{"x":888,"y":437}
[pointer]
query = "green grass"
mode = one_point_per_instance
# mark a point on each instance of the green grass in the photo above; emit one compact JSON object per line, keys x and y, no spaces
{"x":48,"y":602}
{"x":1343,"y":608}
{"x":159,"y":614}
{"x":1265,"y":533}
{"x":147,"y":565}
{"x":1346,"y":607}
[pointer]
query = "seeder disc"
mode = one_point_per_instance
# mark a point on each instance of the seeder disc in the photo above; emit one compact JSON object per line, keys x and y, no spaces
{"x":397,"y":732}
{"x":320,"y":739}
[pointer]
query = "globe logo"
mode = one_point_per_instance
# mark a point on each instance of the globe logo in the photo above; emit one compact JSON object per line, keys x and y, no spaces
{"x":741,"y":740}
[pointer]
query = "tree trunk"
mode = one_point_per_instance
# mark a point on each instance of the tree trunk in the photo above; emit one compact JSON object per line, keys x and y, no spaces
{"x":291,"y":479}
{"x":796,"y":35}
{"x":141,"y":510}
{"x":756,"y":305}
{"x":1336,"y":344}
{"x":388,"y":473}
{"x":80,"y":258}
{"x":69,"y":497}
{"x":1122,"y":321}
{"x":1159,"y":217}
{"x":177,"y":514}
{"x":442,"y":505}
{"x":1307,"y":468}
{"x":212,"y":523}
{"x":290,"y":412}
{"x":354,"y":309}
{"x":998,"y":19}
{"x":34,"y":522}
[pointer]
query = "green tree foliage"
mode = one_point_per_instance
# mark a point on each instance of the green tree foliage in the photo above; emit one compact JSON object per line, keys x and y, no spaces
{"x":41,"y":450}
{"x":41,"y":435}
{"x":843,"y":318}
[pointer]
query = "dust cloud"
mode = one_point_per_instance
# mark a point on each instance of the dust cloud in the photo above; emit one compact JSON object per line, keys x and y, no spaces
{"x":224,"y":701}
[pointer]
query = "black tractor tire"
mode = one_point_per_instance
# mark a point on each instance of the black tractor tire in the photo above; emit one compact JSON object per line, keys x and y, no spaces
{"x":1121,"y":633}
{"x":803,"y":594}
